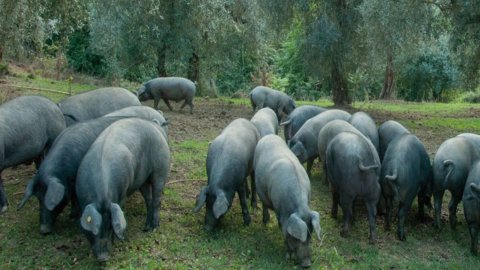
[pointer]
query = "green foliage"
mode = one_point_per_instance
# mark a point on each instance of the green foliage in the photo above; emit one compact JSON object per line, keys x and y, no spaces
{"x":471,"y":97}
{"x":427,"y":78}
{"x":4,"y":69}
{"x":80,"y":56}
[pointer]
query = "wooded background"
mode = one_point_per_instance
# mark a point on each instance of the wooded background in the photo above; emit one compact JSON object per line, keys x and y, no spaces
{"x":344,"y":49}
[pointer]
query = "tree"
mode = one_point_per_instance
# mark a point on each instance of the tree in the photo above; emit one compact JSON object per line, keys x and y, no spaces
{"x":391,"y":28}
{"x":21,"y":28}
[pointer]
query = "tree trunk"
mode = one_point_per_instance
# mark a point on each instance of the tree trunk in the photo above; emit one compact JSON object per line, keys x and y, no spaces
{"x":1,"y":53}
{"x":340,"y":93}
{"x":388,"y":83}
{"x":161,"y":53}
{"x":194,"y":68}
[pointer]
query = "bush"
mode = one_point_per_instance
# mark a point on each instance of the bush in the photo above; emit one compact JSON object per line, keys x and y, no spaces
{"x":428,"y":77}
{"x":471,"y":97}
{"x":4,"y":69}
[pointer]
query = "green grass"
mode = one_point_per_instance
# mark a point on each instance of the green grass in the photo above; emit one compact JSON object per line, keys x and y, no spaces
{"x":416,"y":107}
{"x":181,"y":243}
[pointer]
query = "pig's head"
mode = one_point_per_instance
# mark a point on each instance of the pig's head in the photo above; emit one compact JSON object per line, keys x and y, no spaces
{"x":51,"y":195}
{"x":297,"y":233}
{"x":298,"y":149}
{"x":217,"y":205}
{"x":143,"y":94}
{"x":99,"y":224}
{"x":289,"y":107}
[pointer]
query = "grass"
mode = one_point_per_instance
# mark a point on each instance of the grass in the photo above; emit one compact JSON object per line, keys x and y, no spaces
{"x":181,"y":243}
{"x":416,"y":107}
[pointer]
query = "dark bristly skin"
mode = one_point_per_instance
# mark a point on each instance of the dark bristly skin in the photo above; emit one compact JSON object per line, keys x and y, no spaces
{"x":406,"y":173}
{"x":266,"y":121}
{"x":388,"y":131}
{"x":327,"y":133}
{"x":168,"y":88}
{"x":131,"y":154}
{"x":298,"y":117}
{"x":279,"y":102}
{"x":451,"y":167}
{"x":283,"y":185}
{"x":304,"y":143}
{"x":28,"y":127}
{"x":471,"y":205}
{"x":54,"y":183}
{"x":472,"y":138}
{"x":365,"y":124}
{"x":96,"y":103}
{"x":353,"y":169}
{"x":229,"y":162}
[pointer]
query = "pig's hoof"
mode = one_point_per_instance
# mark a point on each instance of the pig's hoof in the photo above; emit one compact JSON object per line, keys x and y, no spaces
{"x":3,"y":209}
{"x":344,"y":233}
{"x":306,"y":263}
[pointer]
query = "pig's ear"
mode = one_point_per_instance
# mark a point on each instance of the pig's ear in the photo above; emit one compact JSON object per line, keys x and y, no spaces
{"x":91,"y":220}
{"x":220,"y":206}
{"x":54,"y":195}
{"x":28,"y":193}
{"x":297,"y":228}
{"x":119,"y":223}
{"x":202,"y":197}
{"x":315,"y":223}
{"x":475,"y":190}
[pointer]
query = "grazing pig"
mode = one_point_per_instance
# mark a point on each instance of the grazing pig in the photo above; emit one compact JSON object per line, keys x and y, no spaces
{"x":297,"y":118}
{"x":471,"y":205}
{"x":229,"y":162}
{"x":96,"y":103}
{"x":283,"y":185}
{"x":131,"y":154}
{"x":451,"y":167}
{"x":365,"y":124}
{"x":279,"y":102}
{"x":168,"y":88}
{"x":28,"y":127}
{"x":387,"y":132}
{"x":54,"y":183}
{"x":305,"y":142}
{"x":472,"y":138}
{"x":353,"y":170}
{"x":406,"y":173}
{"x":266,"y":121}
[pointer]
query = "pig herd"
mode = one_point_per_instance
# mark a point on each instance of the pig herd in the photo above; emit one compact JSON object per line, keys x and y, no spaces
{"x":94,"y":149}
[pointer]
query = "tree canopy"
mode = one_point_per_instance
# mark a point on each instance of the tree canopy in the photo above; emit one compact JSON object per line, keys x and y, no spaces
{"x":343,"y":49}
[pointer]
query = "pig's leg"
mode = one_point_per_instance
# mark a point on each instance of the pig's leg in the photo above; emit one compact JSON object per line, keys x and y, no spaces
{"x":438,"y":198}
{"x":473,"y":229}
{"x":158,"y":182}
{"x":168,"y":104}
{"x":388,"y":214}
{"x":146,"y":191}
{"x":309,"y":166}
{"x":403,"y":209}
{"x":346,"y":202}
{"x":335,"y":199}
{"x":266,"y":215}
{"x":183,"y":105}
{"x":243,"y":204}
{"x":452,"y":209}
{"x":254,"y":191}
{"x":372,"y":214}
{"x":155,"y":103}
{"x":3,"y":197}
